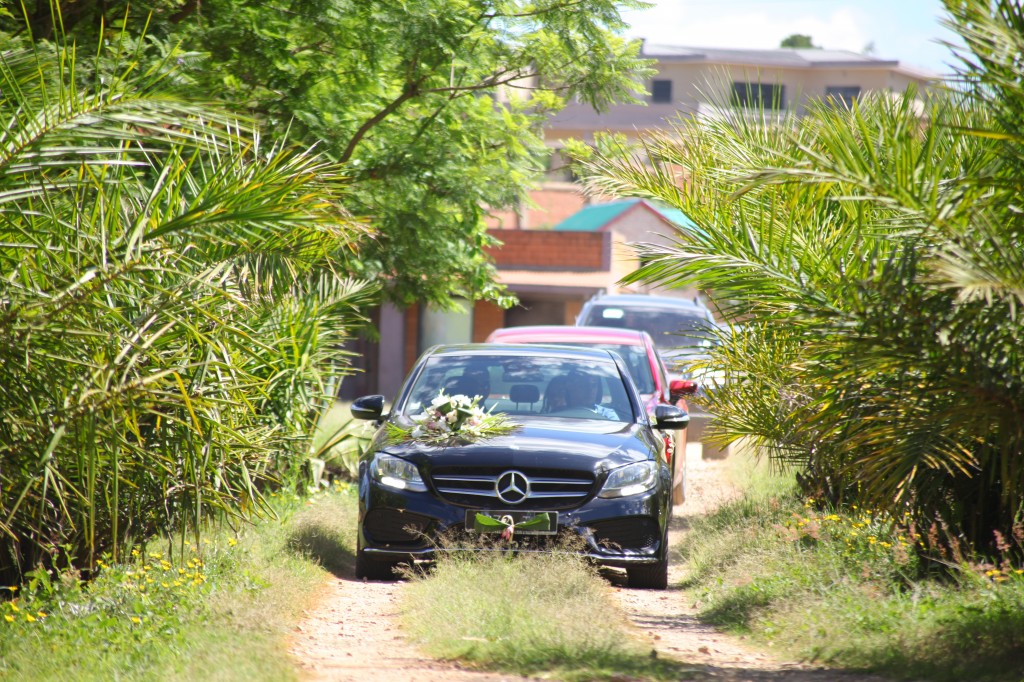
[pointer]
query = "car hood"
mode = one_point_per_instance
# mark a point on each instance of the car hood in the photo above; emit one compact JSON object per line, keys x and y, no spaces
{"x":549,"y":442}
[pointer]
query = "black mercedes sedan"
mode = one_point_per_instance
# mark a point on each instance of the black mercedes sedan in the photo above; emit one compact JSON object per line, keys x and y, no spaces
{"x":517,"y":441}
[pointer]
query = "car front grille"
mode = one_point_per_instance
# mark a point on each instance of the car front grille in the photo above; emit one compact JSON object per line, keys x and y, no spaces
{"x":394,"y":526}
{"x":476,"y":487}
{"x":631,"y":533}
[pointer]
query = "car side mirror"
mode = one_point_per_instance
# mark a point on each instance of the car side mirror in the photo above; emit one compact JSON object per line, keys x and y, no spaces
{"x":368,"y":407}
{"x":677,"y":388}
{"x":670,"y":417}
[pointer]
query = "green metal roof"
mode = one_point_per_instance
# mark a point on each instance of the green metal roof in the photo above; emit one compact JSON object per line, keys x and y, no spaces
{"x":595,"y":217}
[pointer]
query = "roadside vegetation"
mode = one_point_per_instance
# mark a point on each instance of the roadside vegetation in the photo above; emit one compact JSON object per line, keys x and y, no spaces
{"x":852,"y":588}
{"x":183,"y":610}
{"x":867,"y":264}
{"x":180,"y":265}
{"x":171,"y":306}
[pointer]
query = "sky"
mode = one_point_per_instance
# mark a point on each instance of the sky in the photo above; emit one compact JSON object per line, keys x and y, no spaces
{"x":904,"y":30}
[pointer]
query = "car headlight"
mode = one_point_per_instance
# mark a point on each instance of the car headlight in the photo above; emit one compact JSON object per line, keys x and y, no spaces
{"x":631,"y":479}
{"x":393,"y":472}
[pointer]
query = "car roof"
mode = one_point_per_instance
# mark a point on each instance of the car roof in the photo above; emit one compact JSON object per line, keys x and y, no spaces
{"x":511,"y":349}
{"x":555,"y":333}
{"x":648,"y":301}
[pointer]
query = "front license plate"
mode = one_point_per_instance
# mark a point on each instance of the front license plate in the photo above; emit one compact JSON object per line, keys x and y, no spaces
{"x":522,"y":522}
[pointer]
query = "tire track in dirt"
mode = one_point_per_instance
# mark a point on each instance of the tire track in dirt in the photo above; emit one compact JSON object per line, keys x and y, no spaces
{"x":353,"y":636}
{"x":670,"y":624}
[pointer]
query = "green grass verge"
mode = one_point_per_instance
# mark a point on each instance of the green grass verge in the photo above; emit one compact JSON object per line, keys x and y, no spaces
{"x":548,"y":615}
{"x":219,"y":610}
{"x":845,"y":589}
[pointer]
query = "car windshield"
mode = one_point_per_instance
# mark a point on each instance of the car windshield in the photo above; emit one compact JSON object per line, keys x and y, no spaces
{"x":669,"y":329}
{"x":635,"y":356}
{"x":525,"y":385}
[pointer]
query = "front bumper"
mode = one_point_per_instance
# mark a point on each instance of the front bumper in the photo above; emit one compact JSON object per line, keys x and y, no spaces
{"x":403,"y":526}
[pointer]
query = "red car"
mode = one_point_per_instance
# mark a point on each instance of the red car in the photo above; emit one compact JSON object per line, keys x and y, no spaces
{"x":646,"y":369}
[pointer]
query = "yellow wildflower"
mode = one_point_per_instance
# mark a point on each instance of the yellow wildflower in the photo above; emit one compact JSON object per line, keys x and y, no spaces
{"x":9,"y":618}
{"x":30,"y":618}
{"x":136,"y":620}
{"x":232,"y":542}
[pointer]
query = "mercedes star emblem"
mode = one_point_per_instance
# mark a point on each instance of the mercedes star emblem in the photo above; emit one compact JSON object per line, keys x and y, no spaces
{"x":512,"y":487}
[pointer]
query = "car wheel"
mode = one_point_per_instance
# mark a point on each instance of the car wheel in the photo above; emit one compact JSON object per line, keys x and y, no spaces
{"x":651,"y":576}
{"x":373,"y":569}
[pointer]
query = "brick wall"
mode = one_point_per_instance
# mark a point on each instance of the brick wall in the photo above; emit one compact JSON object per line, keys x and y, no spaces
{"x":486,"y":318}
{"x":550,"y":205}
{"x":553,"y":205}
{"x":547,"y":250}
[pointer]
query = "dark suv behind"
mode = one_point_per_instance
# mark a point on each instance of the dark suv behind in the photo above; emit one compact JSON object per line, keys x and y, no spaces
{"x":681,"y":328}
{"x":677,"y":325}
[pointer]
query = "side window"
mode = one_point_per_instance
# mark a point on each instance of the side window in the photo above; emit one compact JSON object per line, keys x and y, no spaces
{"x":662,"y":376}
{"x":758,"y":95}
{"x":842,"y":95}
{"x":661,"y":91}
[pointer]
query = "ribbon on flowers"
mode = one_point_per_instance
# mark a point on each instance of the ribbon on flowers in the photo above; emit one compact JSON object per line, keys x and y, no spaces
{"x":506,"y":525}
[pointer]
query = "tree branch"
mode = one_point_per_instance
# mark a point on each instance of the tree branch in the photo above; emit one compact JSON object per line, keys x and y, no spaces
{"x":410,"y":90}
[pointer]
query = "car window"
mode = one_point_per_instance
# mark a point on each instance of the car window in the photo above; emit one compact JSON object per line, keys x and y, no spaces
{"x":635,"y":356}
{"x":668,"y":328}
{"x":524,"y":385}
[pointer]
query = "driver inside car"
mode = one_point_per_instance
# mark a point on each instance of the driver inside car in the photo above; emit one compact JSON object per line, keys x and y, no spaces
{"x":584,"y":391}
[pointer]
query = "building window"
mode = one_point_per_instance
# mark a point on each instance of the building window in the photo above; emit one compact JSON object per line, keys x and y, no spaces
{"x":661,"y":91}
{"x":842,"y":94}
{"x":758,"y":95}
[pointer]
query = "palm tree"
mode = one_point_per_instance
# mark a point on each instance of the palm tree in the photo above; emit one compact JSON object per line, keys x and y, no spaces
{"x":172,"y":297}
{"x":873,"y":258}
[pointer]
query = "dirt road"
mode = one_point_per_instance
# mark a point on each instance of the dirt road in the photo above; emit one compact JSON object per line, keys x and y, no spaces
{"x":352,"y":635}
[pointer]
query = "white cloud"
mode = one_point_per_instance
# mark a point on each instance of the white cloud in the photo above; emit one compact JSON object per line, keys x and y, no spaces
{"x":673,"y":24}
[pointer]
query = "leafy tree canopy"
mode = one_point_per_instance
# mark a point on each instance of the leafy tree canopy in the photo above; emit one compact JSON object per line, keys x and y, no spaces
{"x":797,"y":40}
{"x":420,"y":101}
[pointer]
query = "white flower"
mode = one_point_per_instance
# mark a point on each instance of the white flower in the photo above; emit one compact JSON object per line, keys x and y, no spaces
{"x":441,"y":399}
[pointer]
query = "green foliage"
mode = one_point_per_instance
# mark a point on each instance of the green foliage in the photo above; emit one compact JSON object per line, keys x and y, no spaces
{"x":529,"y":614}
{"x":797,"y":40}
{"x":221,"y":607}
{"x":171,"y":310}
{"x":423,"y":102}
{"x":338,"y":441}
{"x":869,"y":259}
{"x":844,"y":588}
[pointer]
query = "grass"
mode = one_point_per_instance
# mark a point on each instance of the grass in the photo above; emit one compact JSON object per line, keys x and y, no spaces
{"x":846,"y":588}
{"x":338,"y":440}
{"x":219,"y":610}
{"x":548,"y":615}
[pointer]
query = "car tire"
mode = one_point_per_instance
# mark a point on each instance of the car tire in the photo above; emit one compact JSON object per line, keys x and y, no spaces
{"x":649,"y":576}
{"x":369,"y":568}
